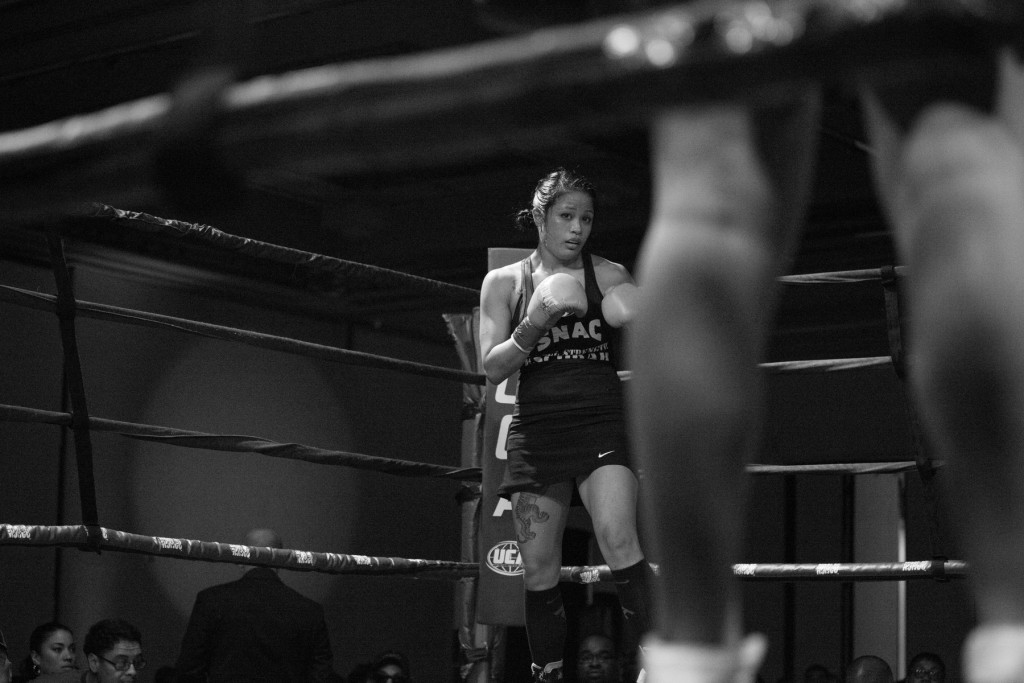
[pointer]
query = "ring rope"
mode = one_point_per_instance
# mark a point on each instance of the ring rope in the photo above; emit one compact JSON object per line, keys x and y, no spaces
{"x":106,"y":312}
{"x":230,"y":443}
{"x":458,"y":104}
{"x":338,"y":563}
{"x":245,"y":444}
{"x":838,"y":277}
{"x":836,"y":468}
{"x":826,"y":365}
{"x":97,"y":311}
{"x":209,"y":551}
{"x":340,"y":268}
{"x":939,"y":570}
{"x":809,"y":366}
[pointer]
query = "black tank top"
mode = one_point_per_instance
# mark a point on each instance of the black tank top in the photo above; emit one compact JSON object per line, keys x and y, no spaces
{"x":573,"y":337}
{"x":570,"y":372}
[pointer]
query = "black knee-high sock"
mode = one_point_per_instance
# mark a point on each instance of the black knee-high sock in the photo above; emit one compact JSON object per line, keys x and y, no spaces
{"x":633,"y":587}
{"x":545,"y":625}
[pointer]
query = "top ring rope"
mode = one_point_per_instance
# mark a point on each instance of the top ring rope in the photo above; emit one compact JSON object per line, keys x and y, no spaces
{"x":337,"y":267}
{"x":456,"y":105}
{"x":208,"y":551}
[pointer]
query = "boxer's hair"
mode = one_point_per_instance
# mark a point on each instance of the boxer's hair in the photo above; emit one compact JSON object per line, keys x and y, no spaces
{"x":548,"y":190}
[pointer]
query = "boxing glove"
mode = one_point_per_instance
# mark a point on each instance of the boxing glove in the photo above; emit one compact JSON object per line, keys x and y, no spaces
{"x":619,"y":303}
{"x":556,"y":296}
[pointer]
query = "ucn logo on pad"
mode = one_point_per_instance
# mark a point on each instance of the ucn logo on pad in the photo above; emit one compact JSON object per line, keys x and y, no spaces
{"x":504,"y":559}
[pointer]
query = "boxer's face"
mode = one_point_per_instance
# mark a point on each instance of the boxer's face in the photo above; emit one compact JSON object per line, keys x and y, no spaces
{"x":566,"y":224}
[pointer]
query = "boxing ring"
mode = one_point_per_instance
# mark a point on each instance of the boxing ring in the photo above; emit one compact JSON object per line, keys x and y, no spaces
{"x":398,"y":113}
{"x":93,"y":537}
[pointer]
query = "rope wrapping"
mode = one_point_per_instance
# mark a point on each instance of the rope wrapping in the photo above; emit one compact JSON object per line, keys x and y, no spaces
{"x":337,"y":563}
{"x":939,"y":570}
{"x":209,"y":551}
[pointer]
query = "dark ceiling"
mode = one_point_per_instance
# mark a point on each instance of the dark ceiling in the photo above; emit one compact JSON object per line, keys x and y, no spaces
{"x":58,"y":59}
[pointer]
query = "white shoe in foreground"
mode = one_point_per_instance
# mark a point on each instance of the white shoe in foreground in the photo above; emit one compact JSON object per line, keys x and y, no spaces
{"x":994,"y":654}
{"x":665,"y":662}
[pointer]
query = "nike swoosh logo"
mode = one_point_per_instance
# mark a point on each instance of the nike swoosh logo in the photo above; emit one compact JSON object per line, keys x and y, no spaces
{"x":601,"y":455}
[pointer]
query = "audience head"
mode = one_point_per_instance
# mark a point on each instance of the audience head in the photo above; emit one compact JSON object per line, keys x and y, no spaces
{"x":868,"y":669}
{"x":263,"y":538}
{"x":391,"y":667}
{"x":113,"y":648}
{"x":5,"y":662}
{"x":51,"y":647}
{"x":597,"y":660}
{"x":926,"y":667}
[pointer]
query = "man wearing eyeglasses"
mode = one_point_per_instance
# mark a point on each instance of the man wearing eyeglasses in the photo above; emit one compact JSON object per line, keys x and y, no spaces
{"x":113,"y":651}
{"x":597,"y":660}
{"x":926,"y":667}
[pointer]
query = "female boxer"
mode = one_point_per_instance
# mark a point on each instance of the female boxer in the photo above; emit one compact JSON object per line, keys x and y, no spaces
{"x":550,"y":317}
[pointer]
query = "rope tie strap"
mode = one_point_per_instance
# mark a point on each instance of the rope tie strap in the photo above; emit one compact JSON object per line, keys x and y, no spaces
{"x":938,"y":569}
{"x":893,"y":319}
{"x":897,"y":349}
{"x":74,"y":384}
{"x":210,"y":551}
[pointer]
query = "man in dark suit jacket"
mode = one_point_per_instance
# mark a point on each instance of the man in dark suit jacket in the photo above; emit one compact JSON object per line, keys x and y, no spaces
{"x":255,"y":629}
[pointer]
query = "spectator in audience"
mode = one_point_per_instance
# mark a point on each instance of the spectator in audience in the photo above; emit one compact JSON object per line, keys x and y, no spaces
{"x":868,"y":669}
{"x":391,"y":666}
{"x":256,"y":629}
{"x":926,"y":667}
{"x":598,"y":660}
{"x":51,"y":648}
{"x":113,"y":652}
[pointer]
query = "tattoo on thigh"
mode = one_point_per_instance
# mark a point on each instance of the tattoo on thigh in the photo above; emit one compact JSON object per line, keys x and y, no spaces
{"x":528,"y":512}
